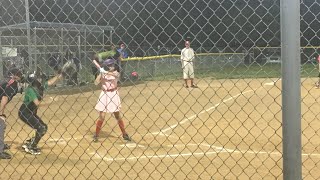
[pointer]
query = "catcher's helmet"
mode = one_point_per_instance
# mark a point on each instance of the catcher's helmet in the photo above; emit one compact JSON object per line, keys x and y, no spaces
{"x":35,"y":78}
{"x":32,"y":78}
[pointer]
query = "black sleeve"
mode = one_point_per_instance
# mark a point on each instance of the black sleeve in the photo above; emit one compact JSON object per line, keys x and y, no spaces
{"x":11,"y":90}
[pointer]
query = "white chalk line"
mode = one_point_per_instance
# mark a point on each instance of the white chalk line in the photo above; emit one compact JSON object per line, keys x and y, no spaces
{"x":162,"y":132}
{"x":188,"y":119}
{"x":63,"y":140}
{"x":215,"y":150}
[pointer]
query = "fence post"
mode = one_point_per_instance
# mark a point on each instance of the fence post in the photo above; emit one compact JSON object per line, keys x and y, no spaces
{"x":28,"y":34}
{"x":1,"y":58}
{"x":291,"y":95}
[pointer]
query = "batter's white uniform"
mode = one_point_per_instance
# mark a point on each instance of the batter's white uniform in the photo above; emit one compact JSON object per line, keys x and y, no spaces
{"x":187,"y":57}
{"x":109,"y":99}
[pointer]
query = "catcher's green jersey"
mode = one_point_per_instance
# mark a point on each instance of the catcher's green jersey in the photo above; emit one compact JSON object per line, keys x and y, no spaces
{"x":31,"y":94}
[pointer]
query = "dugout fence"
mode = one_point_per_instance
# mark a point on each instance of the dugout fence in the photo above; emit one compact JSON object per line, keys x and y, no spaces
{"x":49,"y":39}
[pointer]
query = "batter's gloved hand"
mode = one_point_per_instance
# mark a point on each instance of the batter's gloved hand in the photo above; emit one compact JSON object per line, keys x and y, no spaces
{"x":101,"y":70}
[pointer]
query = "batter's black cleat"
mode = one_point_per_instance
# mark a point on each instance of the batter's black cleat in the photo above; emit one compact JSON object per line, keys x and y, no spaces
{"x":32,"y":150}
{"x":126,"y":137}
{"x":194,"y":86}
{"x":5,"y":155}
{"x":27,"y":143}
{"x":6,"y":147}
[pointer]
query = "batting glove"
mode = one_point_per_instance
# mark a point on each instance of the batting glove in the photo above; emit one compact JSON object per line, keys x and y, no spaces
{"x":102,"y":70}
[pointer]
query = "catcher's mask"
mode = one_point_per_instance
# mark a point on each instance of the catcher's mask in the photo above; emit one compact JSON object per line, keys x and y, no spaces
{"x":35,"y":80}
{"x":108,"y":63}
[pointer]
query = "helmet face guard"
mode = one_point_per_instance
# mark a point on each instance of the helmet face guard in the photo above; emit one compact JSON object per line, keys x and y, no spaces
{"x":35,"y":80}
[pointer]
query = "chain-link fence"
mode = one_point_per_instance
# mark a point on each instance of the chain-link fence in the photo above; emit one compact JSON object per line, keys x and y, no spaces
{"x":229,"y":127}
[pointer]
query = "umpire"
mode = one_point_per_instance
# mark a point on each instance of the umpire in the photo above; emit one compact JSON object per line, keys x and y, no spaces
{"x":8,"y":89}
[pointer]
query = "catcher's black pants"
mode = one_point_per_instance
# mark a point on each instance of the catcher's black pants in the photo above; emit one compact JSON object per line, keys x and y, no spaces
{"x":34,"y":121}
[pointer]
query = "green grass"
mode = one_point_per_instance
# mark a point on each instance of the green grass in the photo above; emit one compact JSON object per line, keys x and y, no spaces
{"x":240,"y":72}
{"x":253,"y":71}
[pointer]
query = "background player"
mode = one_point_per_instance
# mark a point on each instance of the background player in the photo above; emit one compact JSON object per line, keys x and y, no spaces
{"x":109,"y":99}
{"x":187,"y":57}
{"x":122,"y":64}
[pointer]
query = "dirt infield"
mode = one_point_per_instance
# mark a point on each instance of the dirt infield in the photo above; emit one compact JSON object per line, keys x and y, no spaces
{"x":225,"y":129}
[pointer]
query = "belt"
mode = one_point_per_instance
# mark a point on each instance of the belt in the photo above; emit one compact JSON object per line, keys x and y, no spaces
{"x":187,"y":61}
{"x":110,"y":90}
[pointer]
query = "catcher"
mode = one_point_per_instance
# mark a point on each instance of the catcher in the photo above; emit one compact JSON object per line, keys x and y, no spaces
{"x":109,"y":99}
{"x":32,"y":100}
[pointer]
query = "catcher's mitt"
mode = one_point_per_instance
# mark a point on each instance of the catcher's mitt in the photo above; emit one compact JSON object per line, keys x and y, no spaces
{"x":68,"y":69}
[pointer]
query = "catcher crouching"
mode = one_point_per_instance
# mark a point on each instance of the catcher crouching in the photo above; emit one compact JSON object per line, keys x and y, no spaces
{"x":28,"y":110}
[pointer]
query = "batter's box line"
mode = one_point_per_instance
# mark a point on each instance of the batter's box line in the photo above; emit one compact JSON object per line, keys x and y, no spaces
{"x":215,"y":150}
{"x":191,"y":118}
{"x":162,"y":132}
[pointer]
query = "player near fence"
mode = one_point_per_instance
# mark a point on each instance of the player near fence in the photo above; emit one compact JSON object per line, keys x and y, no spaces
{"x":187,"y":58}
{"x":9,"y":88}
{"x":109,"y":99}
{"x":122,"y":64}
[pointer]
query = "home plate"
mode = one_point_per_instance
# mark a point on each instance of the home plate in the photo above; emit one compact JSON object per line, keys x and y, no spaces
{"x":269,"y":84}
{"x":132,"y":145}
